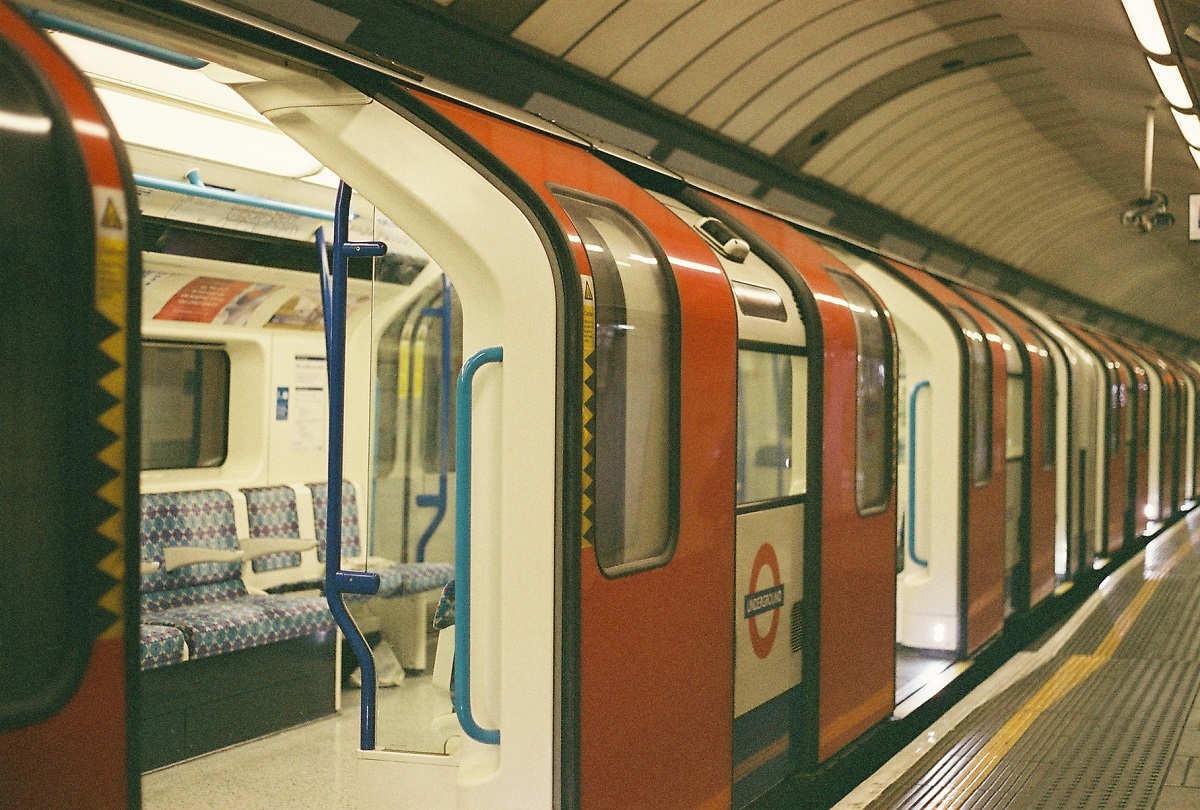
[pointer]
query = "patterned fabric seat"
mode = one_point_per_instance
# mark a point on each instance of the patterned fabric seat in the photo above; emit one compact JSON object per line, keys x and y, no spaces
{"x":239,"y":624}
{"x":161,"y":646}
{"x":399,"y":580}
{"x":272,"y":512}
{"x":207,"y":602}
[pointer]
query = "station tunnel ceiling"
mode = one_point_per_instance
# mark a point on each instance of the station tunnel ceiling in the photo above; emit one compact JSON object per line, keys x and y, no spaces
{"x":1013,"y":128}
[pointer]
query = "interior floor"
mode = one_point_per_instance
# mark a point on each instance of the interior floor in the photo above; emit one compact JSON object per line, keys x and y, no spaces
{"x":314,"y":765}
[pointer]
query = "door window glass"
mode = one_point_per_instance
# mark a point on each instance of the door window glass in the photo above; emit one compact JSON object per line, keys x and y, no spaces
{"x":635,"y":399}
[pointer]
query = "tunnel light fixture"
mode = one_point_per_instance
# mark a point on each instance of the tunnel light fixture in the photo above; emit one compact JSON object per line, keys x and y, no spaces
{"x":1171,"y":83}
{"x":1189,"y":125}
{"x":1148,"y":25}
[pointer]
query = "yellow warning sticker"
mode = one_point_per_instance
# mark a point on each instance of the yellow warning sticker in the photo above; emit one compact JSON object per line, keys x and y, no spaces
{"x":112,"y":252}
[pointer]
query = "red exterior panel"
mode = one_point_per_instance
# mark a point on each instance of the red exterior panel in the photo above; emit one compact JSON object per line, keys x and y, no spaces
{"x":657,"y":646}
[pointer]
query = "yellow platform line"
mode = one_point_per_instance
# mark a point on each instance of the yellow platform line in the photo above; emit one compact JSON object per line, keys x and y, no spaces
{"x":1072,"y":673}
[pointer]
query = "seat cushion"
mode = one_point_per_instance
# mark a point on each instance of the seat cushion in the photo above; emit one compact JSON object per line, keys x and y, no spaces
{"x":221,"y":627}
{"x":420,"y":577}
{"x":160,"y":645}
{"x":409,"y":578}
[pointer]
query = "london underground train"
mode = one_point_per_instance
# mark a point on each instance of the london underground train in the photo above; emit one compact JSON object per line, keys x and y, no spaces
{"x":313,"y":353}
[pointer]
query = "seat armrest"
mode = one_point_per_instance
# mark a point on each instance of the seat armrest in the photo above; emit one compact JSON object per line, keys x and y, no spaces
{"x":178,"y":556}
{"x":367,"y":564}
{"x":257,"y":547}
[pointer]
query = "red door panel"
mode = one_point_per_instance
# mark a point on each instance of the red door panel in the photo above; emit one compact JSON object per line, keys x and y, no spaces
{"x":855,"y":554}
{"x":657,"y":646}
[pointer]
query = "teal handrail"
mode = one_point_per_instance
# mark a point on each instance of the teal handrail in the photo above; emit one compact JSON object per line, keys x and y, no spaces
{"x":54,"y":22}
{"x":912,"y":473}
{"x":195,"y":188}
{"x":462,"y":547}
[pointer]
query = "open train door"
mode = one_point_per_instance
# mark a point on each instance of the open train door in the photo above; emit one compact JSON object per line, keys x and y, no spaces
{"x":67,"y":626}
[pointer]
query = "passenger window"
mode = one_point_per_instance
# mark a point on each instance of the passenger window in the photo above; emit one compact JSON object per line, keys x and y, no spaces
{"x":185,"y":406}
{"x":770,"y":462}
{"x":875,"y":390}
{"x":979,"y":396}
{"x":636,"y":388}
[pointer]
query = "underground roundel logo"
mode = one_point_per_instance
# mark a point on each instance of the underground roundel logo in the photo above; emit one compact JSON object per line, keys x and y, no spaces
{"x":766,"y":596}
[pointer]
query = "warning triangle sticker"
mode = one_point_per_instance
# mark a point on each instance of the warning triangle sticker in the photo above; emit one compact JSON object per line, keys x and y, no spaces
{"x":588,"y":294}
{"x":111,"y":218}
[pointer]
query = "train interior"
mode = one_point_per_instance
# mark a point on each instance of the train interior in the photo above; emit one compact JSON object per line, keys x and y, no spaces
{"x":234,"y":363}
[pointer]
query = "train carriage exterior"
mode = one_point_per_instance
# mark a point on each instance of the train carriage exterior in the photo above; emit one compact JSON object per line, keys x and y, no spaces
{"x":723,"y":508}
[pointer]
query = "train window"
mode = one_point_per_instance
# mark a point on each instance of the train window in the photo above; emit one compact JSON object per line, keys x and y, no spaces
{"x":979,"y":395}
{"x":411,"y":384}
{"x":767,"y":456}
{"x":636,"y":387}
{"x":1049,"y":400}
{"x":876,"y":387}
{"x":185,"y":406}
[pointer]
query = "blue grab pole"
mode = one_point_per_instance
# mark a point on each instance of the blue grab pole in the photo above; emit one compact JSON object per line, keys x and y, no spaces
{"x":338,"y":583}
{"x":462,"y":548}
{"x":912,"y":473}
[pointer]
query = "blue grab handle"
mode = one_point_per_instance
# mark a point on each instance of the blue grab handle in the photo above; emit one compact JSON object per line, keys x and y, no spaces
{"x":339,"y":582}
{"x":912,"y":473}
{"x":438,"y":499}
{"x":462,"y":548}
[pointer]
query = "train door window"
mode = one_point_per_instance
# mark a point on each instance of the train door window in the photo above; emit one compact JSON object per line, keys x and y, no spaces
{"x":185,"y":406}
{"x":1116,"y":400}
{"x":636,"y":387}
{"x":767,"y":456}
{"x":875,"y":389}
{"x":1049,"y":400}
{"x":1014,"y":436}
{"x":979,"y":395}
{"x":414,"y":392}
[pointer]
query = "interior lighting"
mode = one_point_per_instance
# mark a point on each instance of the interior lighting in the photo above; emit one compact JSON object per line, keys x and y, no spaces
{"x":189,"y":132}
{"x":1170,"y":81}
{"x":1189,"y":125}
{"x":1147,"y":25}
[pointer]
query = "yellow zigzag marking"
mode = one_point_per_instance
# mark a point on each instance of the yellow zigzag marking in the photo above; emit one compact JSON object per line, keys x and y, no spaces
{"x":114,"y":346}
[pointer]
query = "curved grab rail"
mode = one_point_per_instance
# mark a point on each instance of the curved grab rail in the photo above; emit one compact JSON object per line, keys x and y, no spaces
{"x":338,"y":583}
{"x":462,"y":547}
{"x":445,"y":312}
{"x":912,"y":473}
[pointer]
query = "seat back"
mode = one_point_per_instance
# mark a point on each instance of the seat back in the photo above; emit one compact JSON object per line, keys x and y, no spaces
{"x":197,"y":519}
{"x":351,"y":536}
{"x":272,"y":512}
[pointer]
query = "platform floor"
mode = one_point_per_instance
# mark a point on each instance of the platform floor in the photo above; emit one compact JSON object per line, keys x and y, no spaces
{"x":1103,"y":713}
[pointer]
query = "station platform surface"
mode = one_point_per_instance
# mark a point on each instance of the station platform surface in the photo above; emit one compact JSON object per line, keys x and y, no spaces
{"x":1102,"y":713}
